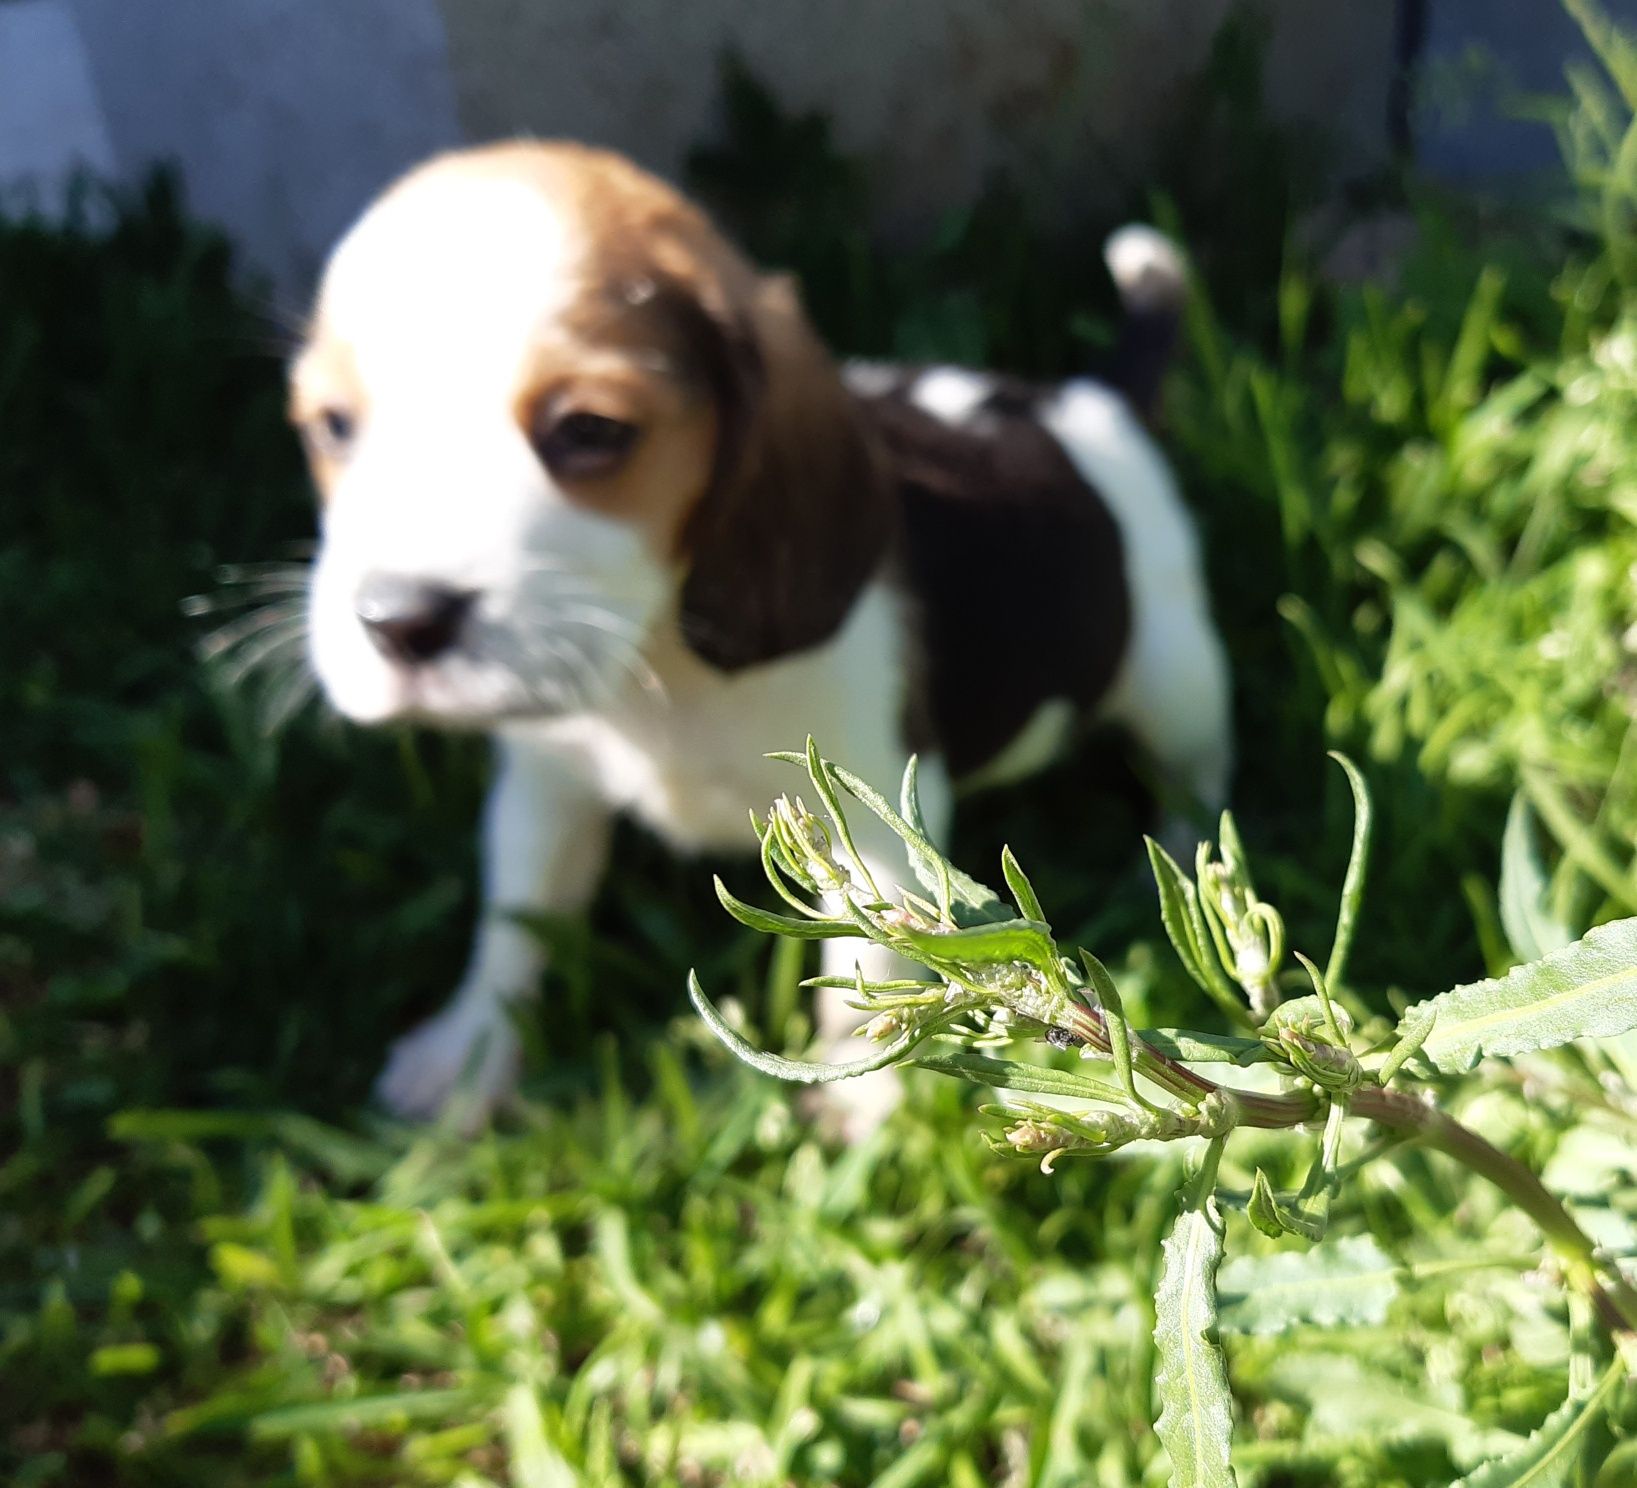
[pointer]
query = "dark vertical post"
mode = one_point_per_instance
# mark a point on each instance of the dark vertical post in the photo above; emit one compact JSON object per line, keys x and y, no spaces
{"x":1409,"y":38}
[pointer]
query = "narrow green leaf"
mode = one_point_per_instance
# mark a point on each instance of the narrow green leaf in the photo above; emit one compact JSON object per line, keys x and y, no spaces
{"x":776,"y":924}
{"x":123,"y":1359}
{"x":848,"y":983}
{"x":1265,"y":1211}
{"x":1168,"y":878}
{"x":1586,"y":990}
{"x":1234,"y":855}
{"x":774,"y":871}
{"x":1358,"y":862}
{"x":909,"y":798}
{"x":1464,"y":377}
{"x":1413,"y":1030}
{"x":1306,"y":1215}
{"x":865,"y":793}
{"x":1119,"y":1034}
{"x":1322,"y":992}
{"x":819,"y":770}
{"x":1205,"y":1048}
{"x":1312,"y":1207}
{"x":990,"y":944}
{"x":1207,"y":911}
{"x":1022,"y":890}
{"x":345,"y":1155}
{"x":1576,"y":839}
{"x":937,"y":869}
{"x":1196,"y":1416}
{"x":363,"y":1411}
{"x":1526,"y":916}
{"x":1550,"y":1455}
{"x":1185,"y":925}
{"x":534,"y":1461}
{"x":801,"y":1071}
{"x":1612,"y":45}
{"x":972,"y":902}
{"x":1343,"y":1282}
{"x":1007,"y":1074}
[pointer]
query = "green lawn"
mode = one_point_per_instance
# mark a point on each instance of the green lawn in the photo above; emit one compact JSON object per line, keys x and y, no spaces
{"x":217,"y":1266}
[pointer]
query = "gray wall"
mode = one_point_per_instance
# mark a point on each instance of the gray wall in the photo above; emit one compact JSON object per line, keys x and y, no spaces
{"x":1067,"y":95}
{"x":286,"y":115}
{"x":1481,"y":58}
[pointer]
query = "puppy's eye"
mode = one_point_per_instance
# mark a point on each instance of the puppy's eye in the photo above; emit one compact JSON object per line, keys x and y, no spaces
{"x":575,"y":446}
{"x":332,"y":431}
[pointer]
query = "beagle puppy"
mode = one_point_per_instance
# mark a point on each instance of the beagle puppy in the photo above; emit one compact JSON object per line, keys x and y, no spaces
{"x":591,"y":483}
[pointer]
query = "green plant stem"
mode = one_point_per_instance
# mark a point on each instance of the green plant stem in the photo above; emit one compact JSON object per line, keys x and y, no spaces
{"x":1610,"y":1293}
{"x":1255,"y":1109}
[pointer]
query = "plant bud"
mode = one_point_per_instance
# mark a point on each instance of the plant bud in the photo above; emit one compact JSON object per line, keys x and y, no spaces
{"x":1305,"y":1015}
{"x":804,"y":842}
{"x":1225,"y":895}
{"x":1218,"y":1114}
{"x":1033,"y":1136}
{"x":1254,"y":931}
{"x":1327,"y":1066}
{"x":1111,"y":1129}
{"x":883,"y":1026}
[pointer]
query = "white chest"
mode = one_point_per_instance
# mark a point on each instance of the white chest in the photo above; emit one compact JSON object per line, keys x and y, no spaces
{"x":689,"y":760}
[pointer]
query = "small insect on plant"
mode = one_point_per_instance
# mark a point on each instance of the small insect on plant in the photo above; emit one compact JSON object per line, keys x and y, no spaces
{"x":1322,"y":1061}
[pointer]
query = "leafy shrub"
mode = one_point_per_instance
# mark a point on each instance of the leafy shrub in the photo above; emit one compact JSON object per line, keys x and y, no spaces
{"x":1450,"y":463}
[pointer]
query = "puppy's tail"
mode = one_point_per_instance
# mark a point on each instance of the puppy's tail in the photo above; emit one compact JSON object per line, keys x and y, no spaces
{"x":1151,"y":274}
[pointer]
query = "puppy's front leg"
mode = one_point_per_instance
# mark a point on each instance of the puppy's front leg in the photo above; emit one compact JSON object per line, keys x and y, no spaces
{"x":545,"y":841}
{"x":862,"y":1103}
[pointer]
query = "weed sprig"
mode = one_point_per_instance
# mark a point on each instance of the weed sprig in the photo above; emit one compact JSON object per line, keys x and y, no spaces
{"x":998,"y":974}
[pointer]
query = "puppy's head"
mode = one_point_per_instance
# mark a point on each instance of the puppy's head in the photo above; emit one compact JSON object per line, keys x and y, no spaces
{"x":548,"y":409}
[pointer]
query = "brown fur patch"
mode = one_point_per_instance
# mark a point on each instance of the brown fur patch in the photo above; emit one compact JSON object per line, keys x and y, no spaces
{"x":666,"y":472}
{"x":800,"y":514}
{"x":1015,"y":566}
{"x":792,"y":516}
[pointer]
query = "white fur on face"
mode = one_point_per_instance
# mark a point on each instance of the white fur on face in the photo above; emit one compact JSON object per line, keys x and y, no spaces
{"x":440,"y":293}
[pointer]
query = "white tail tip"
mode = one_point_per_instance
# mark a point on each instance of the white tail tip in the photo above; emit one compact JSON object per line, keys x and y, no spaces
{"x":1148,"y":269}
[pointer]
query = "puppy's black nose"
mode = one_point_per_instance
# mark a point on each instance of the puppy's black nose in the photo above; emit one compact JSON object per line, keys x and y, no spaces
{"x":411,"y":620}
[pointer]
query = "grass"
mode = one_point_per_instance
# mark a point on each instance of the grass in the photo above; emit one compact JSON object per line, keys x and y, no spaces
{"x":218,"y":1267}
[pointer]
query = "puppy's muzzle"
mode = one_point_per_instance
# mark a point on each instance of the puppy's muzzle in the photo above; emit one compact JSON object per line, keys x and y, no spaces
{"x":412,"y":621}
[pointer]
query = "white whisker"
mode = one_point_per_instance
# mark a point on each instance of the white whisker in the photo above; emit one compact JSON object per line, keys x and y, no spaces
{"x":266,"y":642}
{"x":627,"y":655}
{"x":236,"y":633}
{"x":253,"y":656}
{"x":287,"y":697}
{"x":583,"y":678}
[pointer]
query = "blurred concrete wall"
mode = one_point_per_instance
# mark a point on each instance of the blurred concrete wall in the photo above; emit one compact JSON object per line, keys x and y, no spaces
{"x":1479,"y":57}
{"x":286,"y":115}
{"x":1066,"y":94}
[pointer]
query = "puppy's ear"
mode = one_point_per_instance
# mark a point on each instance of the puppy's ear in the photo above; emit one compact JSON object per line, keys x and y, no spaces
{"x":797,"y":516}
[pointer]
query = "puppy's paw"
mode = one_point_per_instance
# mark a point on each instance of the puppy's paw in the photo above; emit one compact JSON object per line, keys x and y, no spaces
{"x":464,"y":1061}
